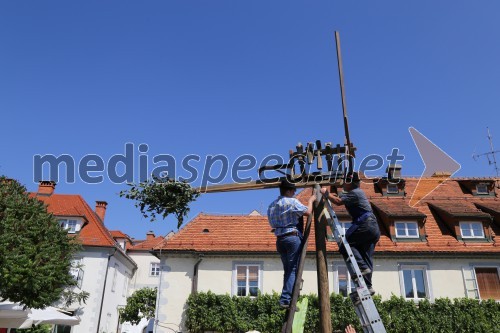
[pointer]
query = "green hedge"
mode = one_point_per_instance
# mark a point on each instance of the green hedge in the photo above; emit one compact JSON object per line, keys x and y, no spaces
{"x":223,"y":313}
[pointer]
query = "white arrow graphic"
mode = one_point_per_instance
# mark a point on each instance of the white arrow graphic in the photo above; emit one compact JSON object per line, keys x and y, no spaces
{"x":436,"y":162}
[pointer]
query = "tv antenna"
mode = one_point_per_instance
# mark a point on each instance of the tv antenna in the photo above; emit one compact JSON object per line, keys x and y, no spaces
{"x":489,"y":155}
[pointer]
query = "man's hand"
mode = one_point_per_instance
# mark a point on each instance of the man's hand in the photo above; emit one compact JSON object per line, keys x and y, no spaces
{"x":349,"y":329}
{"x":325,"y":190}
{"x":312,"y":198}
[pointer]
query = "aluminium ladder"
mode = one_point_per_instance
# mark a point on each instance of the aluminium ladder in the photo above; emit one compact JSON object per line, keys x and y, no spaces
{"x":361,"y":298}
{"x":363,"y":303}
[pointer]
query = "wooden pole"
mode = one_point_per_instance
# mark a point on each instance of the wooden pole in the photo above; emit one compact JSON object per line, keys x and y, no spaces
{"x":287,"y":328}
{"x":349,"y":153}
{"x":325,"y":320}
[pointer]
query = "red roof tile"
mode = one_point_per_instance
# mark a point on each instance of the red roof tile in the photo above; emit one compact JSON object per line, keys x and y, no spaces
{"x":147,"y":244}
{"x":118,"y":234}
{"x":396,"y":207}
{"x":458,"y":209}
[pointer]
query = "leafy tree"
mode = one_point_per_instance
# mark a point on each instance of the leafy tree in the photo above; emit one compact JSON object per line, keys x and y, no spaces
{"x":35,"y":252}
{"x":162,"y":196}
{"x":38,"y":329}
{"x":140,"y":305}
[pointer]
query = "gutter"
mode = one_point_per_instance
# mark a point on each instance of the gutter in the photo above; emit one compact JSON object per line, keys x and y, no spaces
{"x":194,"y":286}
{"x":158,"y":295}
{"x":104,"y":289}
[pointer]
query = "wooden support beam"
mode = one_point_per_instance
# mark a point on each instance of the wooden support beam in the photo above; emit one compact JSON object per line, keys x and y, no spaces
{"x":287,"y":327}
{"x":260,"y":185}
{"x":320,"y":223}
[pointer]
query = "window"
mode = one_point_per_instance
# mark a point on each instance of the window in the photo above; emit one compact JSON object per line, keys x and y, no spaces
{"x":122,"y":243}
{"x":392,"y":189}
{"x":345,"y":226}
{"x":247,"y":280}
{"x":406,"y":229}
{"x":115,"y":277}
{"x":342,"y":283}
{"x":73,"y":226}
{"x":77,"y":272}
{"x":154,"y":269}
{"x":482,"y":189}
{"x":488,"y":282}
{"x":413,"y":281}
{"x":471,"y":229}
{"x":62,"y":329}
{"x":125,"y":284}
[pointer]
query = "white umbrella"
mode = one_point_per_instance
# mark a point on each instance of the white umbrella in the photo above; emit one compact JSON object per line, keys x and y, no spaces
{"x":12,"y":310}
{"x":49,"y":315}
{"x":12,"y":315}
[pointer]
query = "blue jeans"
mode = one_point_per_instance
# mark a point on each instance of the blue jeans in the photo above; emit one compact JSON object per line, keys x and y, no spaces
{"x":289,"y":249}
{"x":362,"y":240}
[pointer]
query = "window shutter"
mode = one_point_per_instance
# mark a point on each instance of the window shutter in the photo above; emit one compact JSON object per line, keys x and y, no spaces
{"x":488,"y":282}
{"x":78,"y":226}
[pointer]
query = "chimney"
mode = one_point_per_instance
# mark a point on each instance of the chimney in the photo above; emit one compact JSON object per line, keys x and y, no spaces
{"x":393,"y":171}
{"x":100,"y":209}
{"x":150,"y":235}
{"x":46,"y":187}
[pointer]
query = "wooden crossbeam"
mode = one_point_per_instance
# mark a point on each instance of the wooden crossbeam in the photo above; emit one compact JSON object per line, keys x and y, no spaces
{"x":260,"y":185}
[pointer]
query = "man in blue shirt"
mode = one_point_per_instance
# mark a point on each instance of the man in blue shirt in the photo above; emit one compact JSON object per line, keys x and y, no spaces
{"x":364,"y":232}
{"x":283,"y":215}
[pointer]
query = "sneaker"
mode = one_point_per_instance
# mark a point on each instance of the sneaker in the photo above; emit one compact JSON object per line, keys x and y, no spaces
{"x":372,"y":291}
{"x":363,"y":272}
{"x":285,"y":305}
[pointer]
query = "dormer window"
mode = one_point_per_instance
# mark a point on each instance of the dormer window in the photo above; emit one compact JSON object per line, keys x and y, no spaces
{"x":406,"y":229}
{"x":392,"y":189}
{"x":71,"y":225}
{"x":471,"y":229}
{"x":122,"y":243}
{"x":482,"y":189}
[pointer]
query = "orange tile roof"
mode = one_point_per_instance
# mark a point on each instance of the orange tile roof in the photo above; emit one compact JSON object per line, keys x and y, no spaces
{"x":118,"y":234}
{"x":147,"y":244}
{"x":396,"y":207}
{"x":458,"y":209}
{"x":93,"y":232}
{"x":491,"y":207}
{"x":242,"y":233}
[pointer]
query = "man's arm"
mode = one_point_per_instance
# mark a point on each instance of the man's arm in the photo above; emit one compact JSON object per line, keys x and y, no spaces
{"x":333,"y":197}
{"x":310,"y":205}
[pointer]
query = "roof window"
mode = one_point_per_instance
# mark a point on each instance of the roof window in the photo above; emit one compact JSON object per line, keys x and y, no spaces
{"x":392,"y":189}
{"x":73,"y":226}
{"x":471,"y":229}
{"x":406,"y":229}
{"x":482,"y":189}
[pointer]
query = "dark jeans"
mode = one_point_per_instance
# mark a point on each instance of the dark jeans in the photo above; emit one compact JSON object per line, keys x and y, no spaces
{"x":362,"y":241}
{"x":289,"y":249}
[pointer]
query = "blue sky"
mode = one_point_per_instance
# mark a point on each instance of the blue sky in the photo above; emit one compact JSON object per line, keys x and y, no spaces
{"x":241,"y":77}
